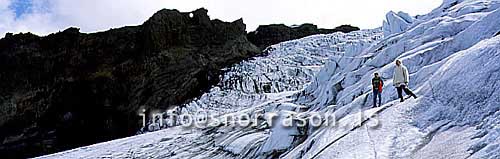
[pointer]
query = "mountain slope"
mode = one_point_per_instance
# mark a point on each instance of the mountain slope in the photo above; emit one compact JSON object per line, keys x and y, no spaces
{"x":267,"y":35}
{"x":92,"y":85}
{"x":259,"y":84}
{"x":452,"y":55}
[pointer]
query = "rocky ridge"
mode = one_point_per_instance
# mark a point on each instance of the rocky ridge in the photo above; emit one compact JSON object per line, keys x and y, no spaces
{"x":70,"y":89}
{"x":267,"y":35}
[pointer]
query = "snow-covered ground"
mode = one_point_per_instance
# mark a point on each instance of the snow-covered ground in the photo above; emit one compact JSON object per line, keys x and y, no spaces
{"x":453,"y":57}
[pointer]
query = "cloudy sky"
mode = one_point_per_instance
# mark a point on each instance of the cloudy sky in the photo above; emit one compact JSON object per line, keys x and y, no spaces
{"x":45,"y":16}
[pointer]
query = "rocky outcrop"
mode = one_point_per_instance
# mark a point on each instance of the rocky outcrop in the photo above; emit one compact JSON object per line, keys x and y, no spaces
{"x":70,"y":89}
{"x":267,"y":35}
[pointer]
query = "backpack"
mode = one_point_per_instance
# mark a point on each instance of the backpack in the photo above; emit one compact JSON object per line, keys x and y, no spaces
{"x":380,"y":86}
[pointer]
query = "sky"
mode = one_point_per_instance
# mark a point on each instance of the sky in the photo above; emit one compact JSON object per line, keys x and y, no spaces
{"x":46,"y":16}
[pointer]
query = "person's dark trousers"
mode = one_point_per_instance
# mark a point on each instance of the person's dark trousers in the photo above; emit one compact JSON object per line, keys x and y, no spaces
{"x":407,"y":91}
{"x":377,"y":94}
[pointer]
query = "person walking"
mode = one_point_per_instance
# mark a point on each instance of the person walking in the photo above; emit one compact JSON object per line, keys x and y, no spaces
{"x":401,"y":79}
{"x":377,"y":84}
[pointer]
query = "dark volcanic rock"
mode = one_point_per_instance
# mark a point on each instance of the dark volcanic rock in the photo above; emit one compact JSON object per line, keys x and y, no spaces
{"x":267,"y":35}
{"x":70,"y":89}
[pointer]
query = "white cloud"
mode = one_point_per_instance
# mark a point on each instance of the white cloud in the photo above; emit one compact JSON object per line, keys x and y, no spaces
{"x":92,"y":15}
{"x":98,"y":15}
{"x":37,"y":21}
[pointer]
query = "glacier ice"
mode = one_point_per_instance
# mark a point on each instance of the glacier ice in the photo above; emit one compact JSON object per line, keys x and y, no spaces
{"x":396,"y":23}
{"x":452,"y":54}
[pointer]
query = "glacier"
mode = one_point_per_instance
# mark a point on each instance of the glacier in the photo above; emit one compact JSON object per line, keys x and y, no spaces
{"x":453,"y":57}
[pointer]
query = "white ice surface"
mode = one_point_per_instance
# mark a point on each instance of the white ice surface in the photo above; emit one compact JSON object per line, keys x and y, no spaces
{"x":453,"y":57}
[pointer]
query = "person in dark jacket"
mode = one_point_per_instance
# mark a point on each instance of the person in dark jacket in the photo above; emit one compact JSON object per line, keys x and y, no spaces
{"x":377,"y":84}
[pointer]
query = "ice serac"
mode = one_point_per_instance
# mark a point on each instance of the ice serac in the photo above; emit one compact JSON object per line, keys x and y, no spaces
{"x":452,"y":56}
{"x":396,"y":22}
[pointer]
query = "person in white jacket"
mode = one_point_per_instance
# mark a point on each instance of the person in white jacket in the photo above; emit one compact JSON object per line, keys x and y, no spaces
{"x":400,"y":80}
